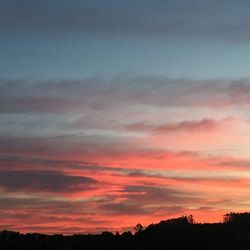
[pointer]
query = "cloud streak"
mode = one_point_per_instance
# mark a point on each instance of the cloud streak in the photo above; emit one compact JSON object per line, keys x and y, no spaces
{"x":15,"y":181}
{"x":184,"y":126}
{"x":172,"y":19}
{"x":97,"y":94}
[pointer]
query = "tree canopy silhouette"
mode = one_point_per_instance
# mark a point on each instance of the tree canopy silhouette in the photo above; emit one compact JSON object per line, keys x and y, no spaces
{"x":173,"y":234}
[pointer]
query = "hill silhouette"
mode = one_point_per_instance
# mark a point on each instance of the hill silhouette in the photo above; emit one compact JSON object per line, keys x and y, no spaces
{"x":177,"y":233}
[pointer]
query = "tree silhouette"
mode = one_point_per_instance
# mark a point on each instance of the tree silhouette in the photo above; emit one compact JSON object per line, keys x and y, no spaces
{"x":175,"y":234}
{"x":138,"y":227}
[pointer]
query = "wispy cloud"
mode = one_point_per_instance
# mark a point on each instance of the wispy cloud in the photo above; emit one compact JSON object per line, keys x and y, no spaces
{"x":204,"y":125}
{"x":167,"y":18}
{"x":37,"y":181}
{"x":99,"y":94}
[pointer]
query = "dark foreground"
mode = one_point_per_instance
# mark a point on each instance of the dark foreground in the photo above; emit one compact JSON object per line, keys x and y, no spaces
{"x":179,"y":233}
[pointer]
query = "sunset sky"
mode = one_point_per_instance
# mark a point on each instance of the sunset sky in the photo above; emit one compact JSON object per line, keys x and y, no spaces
{"x":119,"y":112}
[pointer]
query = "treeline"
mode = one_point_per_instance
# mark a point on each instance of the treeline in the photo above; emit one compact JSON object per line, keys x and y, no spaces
{"x":178,"y":233}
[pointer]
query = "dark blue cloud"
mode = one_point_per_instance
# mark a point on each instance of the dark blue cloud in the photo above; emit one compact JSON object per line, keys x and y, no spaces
{"x":171,"y":18}
{"x":43,"y":181}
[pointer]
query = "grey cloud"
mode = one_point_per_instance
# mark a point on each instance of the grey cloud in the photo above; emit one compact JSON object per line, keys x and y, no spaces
{"x":167,"y":198}
{"x":156,"y":194}
{"x":165,"y":18}
{"x":5,"y":159}
{"x":135,"y":209}
{"x":15,"y":161}
{"x":43,"y":181}
{"x":234,"y":163}
{"x":149,"y":200}
{"x":99,"y":94}
{"x":52,"y":147}
{"x":153,"y":174}
{"x":184,"y":126}
{"x":19,"y":203}
{"x":39,"y":205}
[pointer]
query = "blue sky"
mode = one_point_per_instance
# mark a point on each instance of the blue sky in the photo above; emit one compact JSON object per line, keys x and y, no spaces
{"x":79,"y":39}
{"x":103,"y":56}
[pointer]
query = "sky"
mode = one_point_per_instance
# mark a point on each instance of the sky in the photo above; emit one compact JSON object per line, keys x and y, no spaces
{"x":114,"y":113}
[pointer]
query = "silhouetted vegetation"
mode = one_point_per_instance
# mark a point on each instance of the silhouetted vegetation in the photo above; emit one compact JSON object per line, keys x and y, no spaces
{"x":178,"y":233}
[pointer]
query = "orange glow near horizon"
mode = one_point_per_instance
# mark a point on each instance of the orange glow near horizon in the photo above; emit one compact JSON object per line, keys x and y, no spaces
{"x":102,"y":171}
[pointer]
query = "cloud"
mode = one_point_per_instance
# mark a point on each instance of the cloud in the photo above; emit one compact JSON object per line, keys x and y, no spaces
{"x":123,"y":209}
{"x":211,"y":19}
{"x":83,"y":148}
{"x":204,"y":125}
{"x":17,"y":162}
{"x":156,"y":195}
{"x":28,"y":202}
{"x":64,"y":145}
{"x":148,"y":200}
{"x":36,"y":181}
{"x":234,"y":163}
{"x":67,"y":97}
{"x":181,"y":177}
